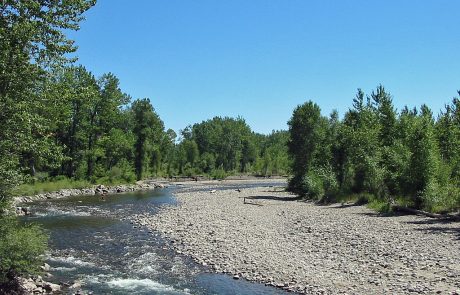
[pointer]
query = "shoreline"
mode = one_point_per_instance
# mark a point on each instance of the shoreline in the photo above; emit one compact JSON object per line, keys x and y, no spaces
{"x":254,"y":234}
{"x":142,"y":185}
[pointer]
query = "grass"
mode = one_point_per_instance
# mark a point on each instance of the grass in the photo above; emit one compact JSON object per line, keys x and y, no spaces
{"x":28,"y":189}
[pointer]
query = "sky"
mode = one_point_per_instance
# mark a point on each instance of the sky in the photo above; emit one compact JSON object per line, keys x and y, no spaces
{"x":259,"y":59}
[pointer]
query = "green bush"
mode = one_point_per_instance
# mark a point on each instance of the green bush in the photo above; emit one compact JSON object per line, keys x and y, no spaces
{"x":21,"y":248}
{"x":312,"y":186}
{"x":379,"y":205}
{"x":437,"y":198}
{"x":329,"y":181}
{"x":218,"y":174}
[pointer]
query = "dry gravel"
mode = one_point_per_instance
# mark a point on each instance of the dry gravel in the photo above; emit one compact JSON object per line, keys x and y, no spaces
{"x":308,"y":248}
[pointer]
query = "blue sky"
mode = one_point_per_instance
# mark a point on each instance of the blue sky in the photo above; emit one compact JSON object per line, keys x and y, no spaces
{"x":260,"y":59}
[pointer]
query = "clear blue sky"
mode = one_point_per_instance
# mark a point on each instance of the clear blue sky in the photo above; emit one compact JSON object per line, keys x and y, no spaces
{"x":260,"y":59}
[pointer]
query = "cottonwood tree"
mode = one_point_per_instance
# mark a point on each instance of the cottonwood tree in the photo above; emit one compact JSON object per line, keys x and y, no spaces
{"x":32,"y":41}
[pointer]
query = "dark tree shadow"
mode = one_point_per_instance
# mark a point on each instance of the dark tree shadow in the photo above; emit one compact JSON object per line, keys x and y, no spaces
{"x":455,"y":232}
{"x":383,"y":214}
{"x":273,"y":198}
{"x":431,"y":221}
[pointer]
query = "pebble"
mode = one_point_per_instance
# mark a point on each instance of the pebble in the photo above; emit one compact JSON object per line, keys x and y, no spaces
{"x":307,"y":248}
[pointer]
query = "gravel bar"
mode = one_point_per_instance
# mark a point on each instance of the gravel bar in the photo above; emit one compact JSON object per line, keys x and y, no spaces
{"x":261,"y":234}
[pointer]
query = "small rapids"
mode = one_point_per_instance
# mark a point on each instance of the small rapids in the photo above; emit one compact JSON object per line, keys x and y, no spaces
{"x":95,"y":246}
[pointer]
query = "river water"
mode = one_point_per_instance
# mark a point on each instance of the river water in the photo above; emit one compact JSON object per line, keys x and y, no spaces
{"x":93,"y":242}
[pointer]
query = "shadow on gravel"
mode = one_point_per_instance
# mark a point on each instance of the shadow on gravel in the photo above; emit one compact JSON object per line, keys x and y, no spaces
{"x":442,"y":230}
{"x":438,"y":227}
{"x":432,"y":221}
{"x":273,"y":198}
{"x":385,"y":214}
{"x":339,"y":206}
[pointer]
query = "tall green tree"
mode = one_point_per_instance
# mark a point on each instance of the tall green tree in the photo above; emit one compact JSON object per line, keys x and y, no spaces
{"x":304,"y":141}
{"x":148,"y":129}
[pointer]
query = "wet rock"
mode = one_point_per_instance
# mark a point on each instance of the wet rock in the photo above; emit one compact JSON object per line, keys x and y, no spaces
{"x":75,"y":285}
{"x":45,"y":267}
{"x":49,"y":287}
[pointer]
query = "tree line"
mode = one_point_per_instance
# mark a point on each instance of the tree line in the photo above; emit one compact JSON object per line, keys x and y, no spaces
{"x":91,"y":129}
{"x":409,"y":157}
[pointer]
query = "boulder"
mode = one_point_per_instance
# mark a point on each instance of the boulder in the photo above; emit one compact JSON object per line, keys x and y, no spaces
{"x":76,"y":285}
{"x":50,"y":287}
{"x":101,"y":189}
{"x":28,"y":285}
{"x":45,"y":267}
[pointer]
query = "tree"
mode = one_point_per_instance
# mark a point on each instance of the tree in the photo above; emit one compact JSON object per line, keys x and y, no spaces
{"x":360,"y":134}
{"x":148,"y":129}
{"x":32,"y":41}
{"x":224,"y":138}
{"x":304,"y":141}
{"x":424,"y":160}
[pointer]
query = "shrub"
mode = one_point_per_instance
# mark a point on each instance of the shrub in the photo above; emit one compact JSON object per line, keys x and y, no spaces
{"x":218,"y":174}
{"x":312,"y":186}
{"x":21,"y":248}
{"x":329,"y":181}
{"x":437,"y":198}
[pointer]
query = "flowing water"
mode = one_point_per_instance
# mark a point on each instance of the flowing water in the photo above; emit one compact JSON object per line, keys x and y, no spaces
{"x":93,"y":242}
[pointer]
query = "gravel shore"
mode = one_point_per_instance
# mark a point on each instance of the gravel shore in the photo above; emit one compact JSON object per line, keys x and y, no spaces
{"x":260,"y":234}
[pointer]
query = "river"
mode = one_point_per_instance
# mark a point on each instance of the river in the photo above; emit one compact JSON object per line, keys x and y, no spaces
{"x":92,"y":241}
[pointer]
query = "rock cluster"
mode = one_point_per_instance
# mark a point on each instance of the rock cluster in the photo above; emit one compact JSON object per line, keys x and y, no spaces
{"x":306,"y":248}
{"x":36,"y":285}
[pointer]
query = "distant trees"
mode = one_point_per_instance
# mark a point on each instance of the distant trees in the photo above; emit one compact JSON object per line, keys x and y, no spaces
{"x":407,"y":156}
{"x":226,"y":145}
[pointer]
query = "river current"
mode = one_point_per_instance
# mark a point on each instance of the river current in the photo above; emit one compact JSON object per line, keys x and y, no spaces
{"x":93,"y":242}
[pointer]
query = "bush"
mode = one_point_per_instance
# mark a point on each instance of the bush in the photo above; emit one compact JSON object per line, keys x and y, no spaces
{"x":319,"y":184}
{"x":218,"y":174}
{"x":437,"y":198}
{"x":379,"y":205}
{"x":21,"y":248}
{"x":312,"y":186}
{"x":329,"y":181}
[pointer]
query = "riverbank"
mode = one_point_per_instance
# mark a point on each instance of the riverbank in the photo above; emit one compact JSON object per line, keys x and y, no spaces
{"x":260,"y":234}
{"x":93,"y":190}
{"x":141,"y":185}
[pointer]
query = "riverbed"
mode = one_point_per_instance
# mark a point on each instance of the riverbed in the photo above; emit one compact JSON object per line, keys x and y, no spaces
{"x":95,"y":244}
{"x":266,"y":235}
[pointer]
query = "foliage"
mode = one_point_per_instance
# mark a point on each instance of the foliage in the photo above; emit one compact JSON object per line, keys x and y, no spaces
{"x":406,"y":157}
{"x":37,"y":187}
{"x":21,"y":248}
{"x":32,"y":42}
{"x":147,"y":129}
{"x":305,"y":129}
